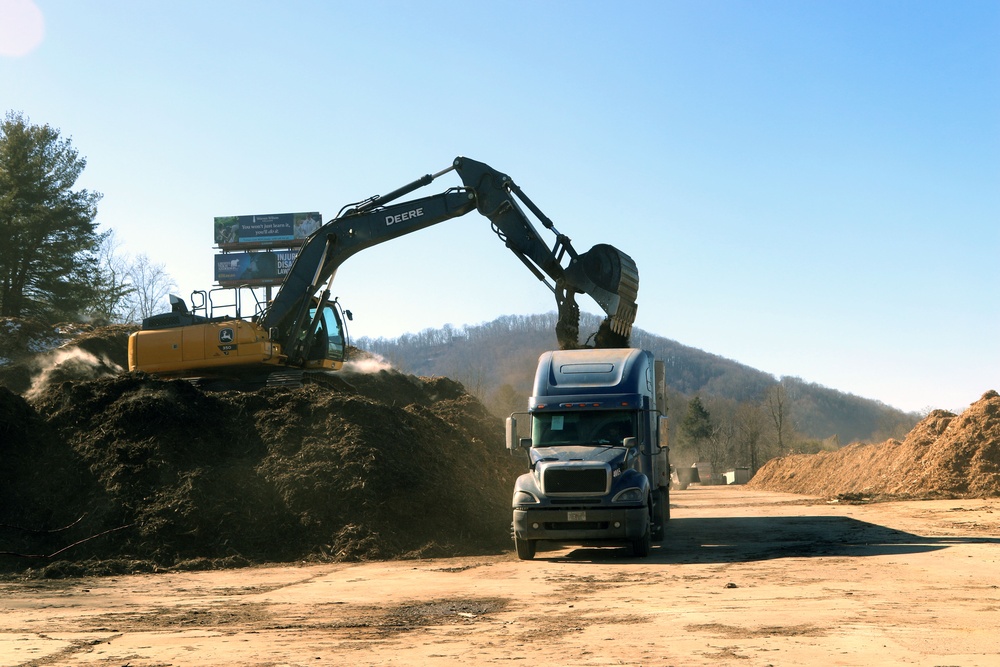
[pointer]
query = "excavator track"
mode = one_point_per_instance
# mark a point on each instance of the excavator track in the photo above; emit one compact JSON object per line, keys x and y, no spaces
{"x":249,"y":379}
{"x":289,"y":377}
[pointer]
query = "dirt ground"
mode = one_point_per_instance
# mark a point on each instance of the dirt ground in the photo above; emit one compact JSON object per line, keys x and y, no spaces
{"x":745,"y":577}
{"x":137,"y":516}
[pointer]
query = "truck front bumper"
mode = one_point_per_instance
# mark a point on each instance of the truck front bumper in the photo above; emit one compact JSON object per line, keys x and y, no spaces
{"x":590,"y":525}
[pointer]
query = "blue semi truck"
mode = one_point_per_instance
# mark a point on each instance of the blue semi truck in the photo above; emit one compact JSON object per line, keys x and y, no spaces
{"x":596,"y":441}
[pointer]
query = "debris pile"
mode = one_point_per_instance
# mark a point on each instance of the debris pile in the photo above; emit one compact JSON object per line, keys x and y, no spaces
{"x":103,"y":471}
{"x":132,"y":472}
{"x":945,"y":455}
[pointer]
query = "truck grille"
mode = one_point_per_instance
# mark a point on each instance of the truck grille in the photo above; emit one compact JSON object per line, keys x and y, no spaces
{"x":575,"y":480}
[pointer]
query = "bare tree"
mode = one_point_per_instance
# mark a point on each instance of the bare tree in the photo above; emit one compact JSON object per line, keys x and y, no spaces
{"x":152,"y":285}
{"x":113,"y":291}
{"x":750,"y":427}
{"x":474,"y":378}
{"x":720,"y":444}
{"x":776,"y":405}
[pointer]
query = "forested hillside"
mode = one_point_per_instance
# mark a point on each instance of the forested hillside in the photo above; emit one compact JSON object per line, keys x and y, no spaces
{"x":753,"y":415}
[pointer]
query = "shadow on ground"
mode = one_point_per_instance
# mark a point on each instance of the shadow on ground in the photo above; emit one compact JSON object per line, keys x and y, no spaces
{"x":742,"y":539}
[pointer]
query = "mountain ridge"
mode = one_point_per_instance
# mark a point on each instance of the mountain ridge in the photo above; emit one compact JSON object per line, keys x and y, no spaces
{"x":496,"y":361}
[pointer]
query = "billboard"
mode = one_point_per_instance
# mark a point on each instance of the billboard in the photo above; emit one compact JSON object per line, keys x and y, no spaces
{"x":275,"y":230}
{"x":254,"y":269}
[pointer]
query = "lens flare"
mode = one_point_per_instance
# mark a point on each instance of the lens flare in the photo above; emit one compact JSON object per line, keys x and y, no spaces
{"x":22,"y":27}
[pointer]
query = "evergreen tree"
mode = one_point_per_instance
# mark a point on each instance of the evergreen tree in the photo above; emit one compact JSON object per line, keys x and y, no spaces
{"x":696,"y":426}
{"x":48,"y":235}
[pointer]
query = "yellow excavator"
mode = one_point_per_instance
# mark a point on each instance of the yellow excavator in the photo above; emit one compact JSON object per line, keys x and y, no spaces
{"x":303,"y":329}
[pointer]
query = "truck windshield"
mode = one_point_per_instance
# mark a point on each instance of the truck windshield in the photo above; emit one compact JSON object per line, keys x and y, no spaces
{"x":599,"y":427}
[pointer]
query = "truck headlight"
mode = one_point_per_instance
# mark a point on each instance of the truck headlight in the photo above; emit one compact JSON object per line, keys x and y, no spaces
{"x":524,"y":498}
{"x":632,"y":495}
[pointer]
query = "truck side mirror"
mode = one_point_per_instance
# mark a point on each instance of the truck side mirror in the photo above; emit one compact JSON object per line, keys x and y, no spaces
{"x":510,"y":426}
{"x":525,"y":443}
{"x":630,"y":442}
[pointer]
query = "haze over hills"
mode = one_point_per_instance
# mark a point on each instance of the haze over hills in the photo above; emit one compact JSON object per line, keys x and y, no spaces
{"x":496,"y":361}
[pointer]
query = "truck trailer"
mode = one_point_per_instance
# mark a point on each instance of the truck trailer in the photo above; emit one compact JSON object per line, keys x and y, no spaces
{"x":596,"y":441}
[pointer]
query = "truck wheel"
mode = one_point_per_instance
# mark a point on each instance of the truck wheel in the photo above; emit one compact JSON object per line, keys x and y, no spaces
{"x":525,"y":548}
{"x":642,"y":546}
{"x":661,"y":512}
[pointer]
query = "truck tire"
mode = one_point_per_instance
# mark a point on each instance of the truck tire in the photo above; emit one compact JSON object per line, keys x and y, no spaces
{"x":661,"y":513}
{"x":642,"y":546}
{"x":525,"y":548}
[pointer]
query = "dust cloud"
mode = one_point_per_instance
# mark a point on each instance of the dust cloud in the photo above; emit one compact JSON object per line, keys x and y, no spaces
{"x":367,"y":363}
{"x":69,"y":363}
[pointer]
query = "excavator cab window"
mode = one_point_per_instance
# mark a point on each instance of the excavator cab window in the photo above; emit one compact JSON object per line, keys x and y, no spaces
{"x":328,"y":340}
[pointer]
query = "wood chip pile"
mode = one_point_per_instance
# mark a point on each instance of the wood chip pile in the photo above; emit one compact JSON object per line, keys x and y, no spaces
{"x":944,"y":456}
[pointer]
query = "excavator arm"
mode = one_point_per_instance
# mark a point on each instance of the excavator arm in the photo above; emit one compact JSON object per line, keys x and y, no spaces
{"x":605,"y":273}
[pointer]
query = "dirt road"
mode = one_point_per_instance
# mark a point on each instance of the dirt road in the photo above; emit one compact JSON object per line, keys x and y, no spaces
{"x":745,"y":577}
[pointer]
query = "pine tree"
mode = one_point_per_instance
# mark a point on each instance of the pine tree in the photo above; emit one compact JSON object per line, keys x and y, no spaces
{"x":696,"y":426}
{"x":48,"y":233}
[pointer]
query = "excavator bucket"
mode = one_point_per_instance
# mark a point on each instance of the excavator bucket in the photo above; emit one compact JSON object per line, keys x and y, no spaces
{"x":611,"y":278}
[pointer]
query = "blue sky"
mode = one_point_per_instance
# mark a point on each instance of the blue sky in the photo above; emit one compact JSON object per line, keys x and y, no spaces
{"x":810,"y":188}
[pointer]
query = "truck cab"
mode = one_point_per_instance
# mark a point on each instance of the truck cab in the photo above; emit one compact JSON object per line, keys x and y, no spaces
{"x":595,"y":439}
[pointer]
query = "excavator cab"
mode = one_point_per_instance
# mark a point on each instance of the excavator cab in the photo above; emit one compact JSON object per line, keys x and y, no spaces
{"x":328,"y":347}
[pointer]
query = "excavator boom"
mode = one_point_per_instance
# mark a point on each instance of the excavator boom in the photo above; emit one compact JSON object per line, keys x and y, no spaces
{"x":301,"y":327}
{"x":339,"y":239}
{"x":605,"y":273}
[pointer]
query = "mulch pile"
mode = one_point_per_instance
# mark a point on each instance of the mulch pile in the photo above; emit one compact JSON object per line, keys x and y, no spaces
{"x":944,"y":456}
{"x":129,"y":472}
{"x":135,"y":473}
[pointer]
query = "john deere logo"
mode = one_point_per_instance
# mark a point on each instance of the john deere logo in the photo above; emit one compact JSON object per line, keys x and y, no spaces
{"x":226,"y":335}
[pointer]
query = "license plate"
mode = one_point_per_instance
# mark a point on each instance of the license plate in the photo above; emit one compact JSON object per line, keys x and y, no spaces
{"x":576,"y":516}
